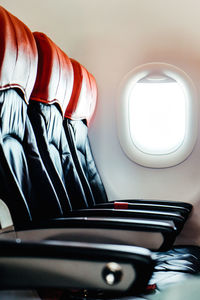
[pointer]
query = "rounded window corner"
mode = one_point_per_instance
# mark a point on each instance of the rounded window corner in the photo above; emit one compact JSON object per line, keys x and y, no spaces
{"x":157,"y":115}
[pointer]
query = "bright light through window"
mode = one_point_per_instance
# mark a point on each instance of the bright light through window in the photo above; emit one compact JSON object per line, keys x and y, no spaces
{"x":157,"y":115}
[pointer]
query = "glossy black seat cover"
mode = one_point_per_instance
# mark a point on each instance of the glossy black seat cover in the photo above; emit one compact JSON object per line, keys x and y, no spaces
{"x":20,"y":163}
{"x":92,"y":183}
{"x":49,"y":98}
{"x":77,"y":116}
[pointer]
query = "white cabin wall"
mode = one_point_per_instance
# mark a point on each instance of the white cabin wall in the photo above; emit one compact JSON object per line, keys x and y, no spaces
{"x":111,"y":37}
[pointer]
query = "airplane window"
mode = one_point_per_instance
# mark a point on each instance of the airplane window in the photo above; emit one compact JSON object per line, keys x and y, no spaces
{"x":157,"y":115}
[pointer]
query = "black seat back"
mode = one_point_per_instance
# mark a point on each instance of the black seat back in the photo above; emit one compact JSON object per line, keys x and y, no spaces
{"x":78,"y":115}
{"x":49,"y":99}
{"x":20,"y":162}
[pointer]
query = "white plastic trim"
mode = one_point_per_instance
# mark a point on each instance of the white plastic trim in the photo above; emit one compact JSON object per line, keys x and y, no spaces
{"x":123,"y":124}
{"x":5,"y":216}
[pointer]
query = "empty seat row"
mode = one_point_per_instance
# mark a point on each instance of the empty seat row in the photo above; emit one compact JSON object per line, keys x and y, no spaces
{"x":49,"y":180}
{"x":40,"y":182}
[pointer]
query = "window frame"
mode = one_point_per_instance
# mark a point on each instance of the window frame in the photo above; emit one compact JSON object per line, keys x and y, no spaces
{"x":123,"y":123}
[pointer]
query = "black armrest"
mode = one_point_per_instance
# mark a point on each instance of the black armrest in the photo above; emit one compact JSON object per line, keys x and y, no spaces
{"x":131,"y":213}
{"x":185,"y":205}
{"x":139,"y":204}
{"x":97,"y":268}
{"x":152,"y":234}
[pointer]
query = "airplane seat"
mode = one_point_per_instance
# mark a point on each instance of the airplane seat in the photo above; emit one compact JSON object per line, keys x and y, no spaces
{"x":48,"y":100}
{"x":20,"y":160}
{"x":78,"y":114}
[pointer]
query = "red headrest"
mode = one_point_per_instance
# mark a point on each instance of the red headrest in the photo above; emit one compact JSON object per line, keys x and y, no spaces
{"x":84,"y":95}
{"x":55,"y":76}
{"x":18,"y":55}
